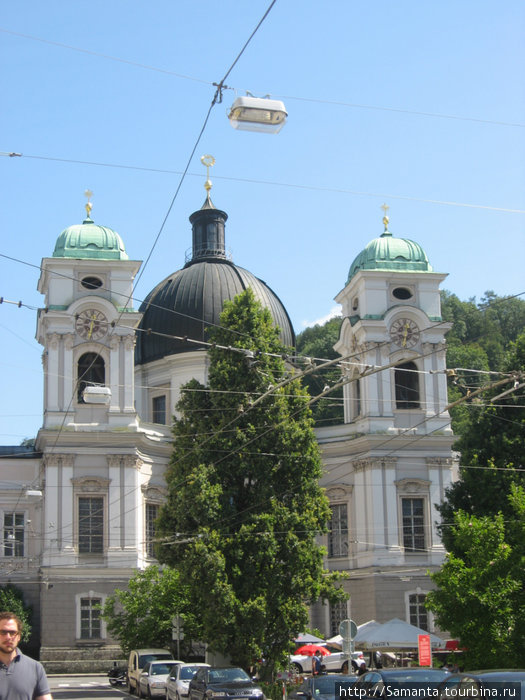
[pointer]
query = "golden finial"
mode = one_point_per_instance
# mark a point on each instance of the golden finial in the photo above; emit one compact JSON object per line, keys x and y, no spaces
{"x":385,"y":209}
{"x":88,"y":205}
{"x":209,"y":162}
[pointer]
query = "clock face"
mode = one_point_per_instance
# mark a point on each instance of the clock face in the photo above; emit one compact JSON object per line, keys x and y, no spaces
{"x":91,"y":324}
{"x":404,"y":332}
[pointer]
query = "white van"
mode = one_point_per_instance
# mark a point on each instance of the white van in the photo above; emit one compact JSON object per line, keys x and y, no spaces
{"x":138,"y":658}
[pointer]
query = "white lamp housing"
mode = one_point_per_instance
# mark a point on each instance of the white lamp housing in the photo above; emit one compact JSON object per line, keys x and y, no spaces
{"x":36,"y":493}
{"x":97,"y":394}
{"x":258,"y":114}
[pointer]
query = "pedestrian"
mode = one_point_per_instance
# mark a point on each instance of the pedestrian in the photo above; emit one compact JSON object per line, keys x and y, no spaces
{"x":21,"y":678}
{"x":316,"y":663}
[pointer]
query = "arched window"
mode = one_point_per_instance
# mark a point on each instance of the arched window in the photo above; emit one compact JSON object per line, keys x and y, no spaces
{"x":91,"y":371}
{"x":407,"y":385}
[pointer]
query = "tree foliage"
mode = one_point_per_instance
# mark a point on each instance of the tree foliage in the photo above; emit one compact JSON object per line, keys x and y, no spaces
{"x":12,"y":600}
{"x":244,"y":503}
{"x":318,"y":342}
{"x":480,"y":596}
{"x":480,"y":339}
{"x":141,"y":616}
{"x":491,"y":449}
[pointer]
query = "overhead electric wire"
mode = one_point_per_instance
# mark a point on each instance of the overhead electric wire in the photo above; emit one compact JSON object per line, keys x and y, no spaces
{"x":274,"y":183}
{"x":217,"y":98}
{"x":315,"y":100}
{"x":210,"y":323}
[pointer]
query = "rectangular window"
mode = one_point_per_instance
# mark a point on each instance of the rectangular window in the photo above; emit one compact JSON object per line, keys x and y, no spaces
{"x":152,"y":512}
{"x":338,"y":613}
{"x":14,"y":534}
{"x":338,"y":532}
{"x":90,"y":524}
{"x":158,"y":409}
{"x":418,"y":612}
{"x":90,"y":627}
{"x":413,"y":524}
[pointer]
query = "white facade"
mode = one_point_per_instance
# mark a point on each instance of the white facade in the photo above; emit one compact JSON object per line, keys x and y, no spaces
{"x":101,"y":465}
{"x":391,"y":461}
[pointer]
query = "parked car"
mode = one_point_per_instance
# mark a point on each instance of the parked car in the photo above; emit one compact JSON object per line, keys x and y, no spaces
{"x":228,"y":682}
{"x":152,"y":679}
{"x":493,"y":684}
{"x":178,"y":681}
{"x":336,"y":661}
{"x":138,"y":658}
{"x":321,"y":687}
{"x":387,"y":683}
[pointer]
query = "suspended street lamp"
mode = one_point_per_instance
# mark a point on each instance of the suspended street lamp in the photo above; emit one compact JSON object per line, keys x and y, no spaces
{"x":258,"y":114}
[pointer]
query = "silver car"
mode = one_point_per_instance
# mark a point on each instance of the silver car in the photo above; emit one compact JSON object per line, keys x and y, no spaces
{"x":152,"y":679}
{"x":178,"y":681}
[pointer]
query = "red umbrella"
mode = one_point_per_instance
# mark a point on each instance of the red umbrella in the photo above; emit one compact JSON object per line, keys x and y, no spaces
{"x":311,"y":649}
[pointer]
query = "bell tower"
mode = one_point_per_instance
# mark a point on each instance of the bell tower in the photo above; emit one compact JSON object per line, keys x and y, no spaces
{"x":391,"y":461}
{"x":395,"y":337}
{"x":87,"y":329}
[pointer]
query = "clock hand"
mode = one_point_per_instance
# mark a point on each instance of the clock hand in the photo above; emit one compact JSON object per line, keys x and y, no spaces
{"x":405,"y":335}
{"x":91,"y":326}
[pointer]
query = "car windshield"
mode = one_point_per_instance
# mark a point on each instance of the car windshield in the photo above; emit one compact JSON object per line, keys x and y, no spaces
{"x":145,"y":658}
{"x":416,"y":679}
{"x":228,"y":675}
{"x":326,"y":684}
{"x":187,"y":672}
{"x":159,"y":669}
{"x":505,"y":685}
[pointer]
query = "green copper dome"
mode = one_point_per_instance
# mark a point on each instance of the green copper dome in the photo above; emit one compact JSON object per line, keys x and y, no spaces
{"x":90,"y":241}
{"x":393,"y":254}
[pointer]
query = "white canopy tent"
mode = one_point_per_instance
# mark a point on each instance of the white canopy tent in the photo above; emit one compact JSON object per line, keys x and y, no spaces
{"x":364,"y":631}
{"x":306,"y":638}
{"x":394,"y":634}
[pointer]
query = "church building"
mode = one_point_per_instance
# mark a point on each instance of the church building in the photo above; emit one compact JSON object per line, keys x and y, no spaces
{"x":79,"y":513}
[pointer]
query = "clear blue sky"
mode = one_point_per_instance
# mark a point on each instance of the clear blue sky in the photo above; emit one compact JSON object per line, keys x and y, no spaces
{"x":420,"y":105}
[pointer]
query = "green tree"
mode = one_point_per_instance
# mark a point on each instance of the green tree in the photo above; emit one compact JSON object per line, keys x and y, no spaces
{"x":141,"y":616}
{"x":318,"y":342}
{"x":480,"y":595}
{"x":12,"y":600}
{"x":491,"y":447}
{"x":244,"y":503}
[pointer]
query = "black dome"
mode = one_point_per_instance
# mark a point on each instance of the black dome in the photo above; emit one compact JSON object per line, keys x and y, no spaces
{"x":191,"y":300}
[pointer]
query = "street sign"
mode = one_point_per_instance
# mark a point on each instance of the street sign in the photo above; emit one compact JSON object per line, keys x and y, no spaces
{"x":177,"y":628}
{"x":424,"y":649}
{"x":348,"y":629}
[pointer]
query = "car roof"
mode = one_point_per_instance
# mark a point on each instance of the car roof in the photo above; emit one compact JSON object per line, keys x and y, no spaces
{"x":498,"y":670}
{"x":409,"y":669}
{"x":194,"y":663}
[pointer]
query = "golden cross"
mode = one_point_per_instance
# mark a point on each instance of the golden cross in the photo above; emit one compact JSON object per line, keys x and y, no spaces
{"x":208,"y":161}
{"x":88,"y":205}
{"x":385,"y":209}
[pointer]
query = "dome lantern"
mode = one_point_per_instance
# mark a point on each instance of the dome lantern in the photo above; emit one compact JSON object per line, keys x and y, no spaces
{"x":190,"y":301}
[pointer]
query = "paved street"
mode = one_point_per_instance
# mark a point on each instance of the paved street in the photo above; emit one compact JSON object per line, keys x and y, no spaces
{"x":80,"y":687}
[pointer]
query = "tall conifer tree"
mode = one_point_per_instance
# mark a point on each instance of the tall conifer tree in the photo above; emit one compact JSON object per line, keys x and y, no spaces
{"x":244,"y":503}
